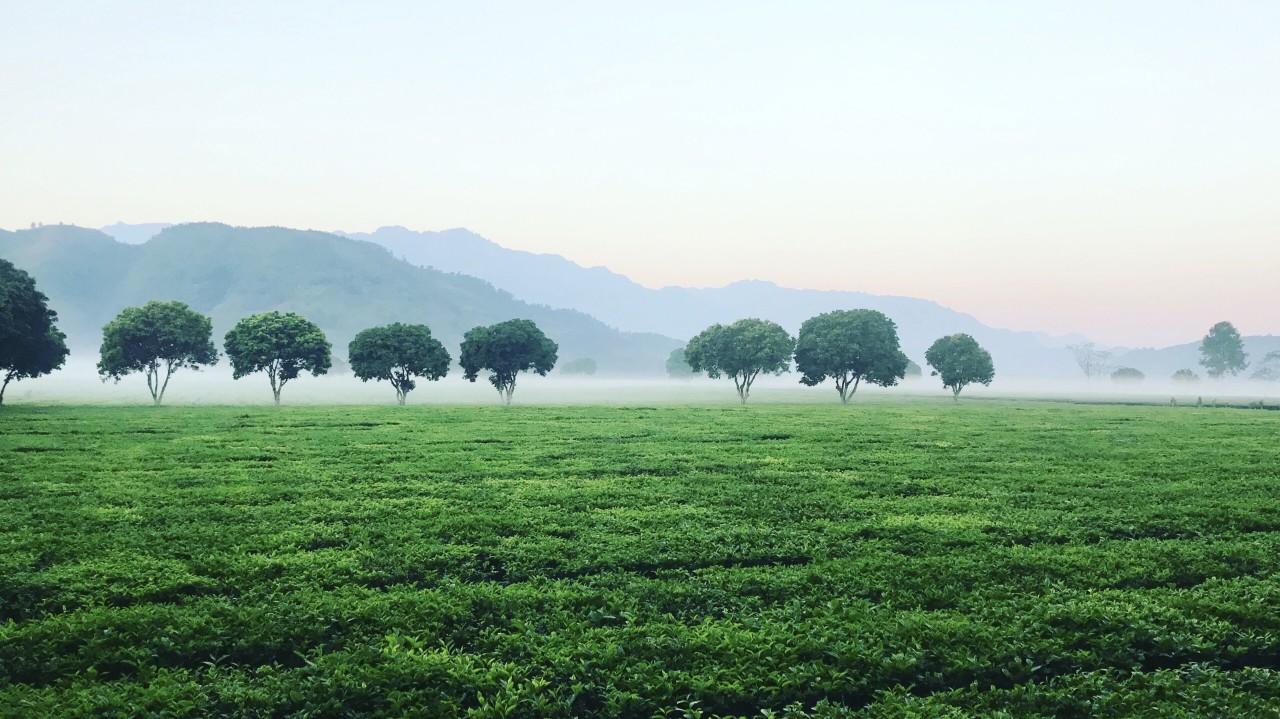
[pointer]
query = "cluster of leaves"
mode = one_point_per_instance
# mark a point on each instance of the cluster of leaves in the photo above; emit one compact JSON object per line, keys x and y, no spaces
{"x":989,"y":560}
{"x":30,"y":342}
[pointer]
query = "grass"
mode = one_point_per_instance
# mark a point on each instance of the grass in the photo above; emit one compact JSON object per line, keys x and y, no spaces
{"x":878,"y":560}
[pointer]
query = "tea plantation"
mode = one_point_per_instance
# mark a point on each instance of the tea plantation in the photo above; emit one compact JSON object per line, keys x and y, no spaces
{"x":885,"y":559}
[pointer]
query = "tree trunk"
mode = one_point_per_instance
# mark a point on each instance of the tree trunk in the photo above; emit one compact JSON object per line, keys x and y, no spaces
{"x":400,"y":397}
{"x":8,"y":376}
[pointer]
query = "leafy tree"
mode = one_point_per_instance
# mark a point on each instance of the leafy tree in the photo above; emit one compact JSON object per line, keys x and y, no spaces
{"x":156,"y":339}
{"x":1269,"y":371}
{"x":741,"y":350}
{"x":913,"y":371}
{"x":506,"y":349}
{"x":399,"y":354}
{"x":960,"y":361}
{"x":1092,"y":361}
{"x":1185,"y":376}
{"x":1222,"y":351}
{"x":849,"y":346}
{"x":30,"y":343}
{"x":582,"y":365}
{"x":1127,"y":375}
{"x":677,"y":367}
{"x":282,"y":345}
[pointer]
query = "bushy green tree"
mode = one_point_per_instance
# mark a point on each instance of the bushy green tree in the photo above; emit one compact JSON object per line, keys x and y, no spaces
{"x":1222,"y":351}
{"x":506,"y":349}
{"x":960,"y":361}
{"x":281,"y":344}
{"x":1269,"y":368}
{"x":156,"y":339}
{"x":914,"y":371}
{"x":582,"y":365}
{"x":400,"y":354}
{"x":677,"y":367}
{"x":742,"y":350}
{"x":1127,"y":375}
{"x":1185,"y":376}
{"x":849,"y":346}
{"x":30,"y":342}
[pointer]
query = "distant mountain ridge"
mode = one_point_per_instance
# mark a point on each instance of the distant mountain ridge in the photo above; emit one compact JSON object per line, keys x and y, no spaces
{"x":683,"y":311}
{"x":343,"y":285}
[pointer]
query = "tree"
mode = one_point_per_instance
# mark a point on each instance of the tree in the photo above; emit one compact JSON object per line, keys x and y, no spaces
{"x":1222,"y":351}
{"x":506,"y":349}
{"x":30,"y":342}
{"x":282,"y":345}
{"x":849,"y":346}
{"x":677,"y":367}
{"x":1127,"y":375}
{"x":741,"y":350}
{"x":399,"y":354}
{"x":1092,"y":361}
{"x":960,"y":361}
{"x":156,"y":339}
{"x":1185,"y":376}
{"x":582,"y":365}
{"x":914,"y":371}
{"x":1269,"y":371}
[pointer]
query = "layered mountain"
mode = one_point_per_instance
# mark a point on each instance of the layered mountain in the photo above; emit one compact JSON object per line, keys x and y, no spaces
{"x":684,"y":311}
{"x":341,"y":284}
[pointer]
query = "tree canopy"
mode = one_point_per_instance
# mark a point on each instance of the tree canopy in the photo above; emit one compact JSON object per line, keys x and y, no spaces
{"x":1222,"y":351}
{"x":156,"y":339}
{"x":505,"y":350}
{"x":677,"y":366}
{"x":280,"y":344}
{"x":1185,"y":375}
{"x":30,"y":342}
{"x":1269,"y":368}
{"x":400,"y":354}
{"x":960,"y":361}
{"x":582,"y":365}
{"x":1127,"y":375}
{"x":849,"y":346}
{"x":742,"y":350}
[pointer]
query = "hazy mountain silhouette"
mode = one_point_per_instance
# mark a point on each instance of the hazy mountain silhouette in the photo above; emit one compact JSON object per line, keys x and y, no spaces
{"x":683,"y":311}
{"x":135,"y":234}
{"x":341,"y":284}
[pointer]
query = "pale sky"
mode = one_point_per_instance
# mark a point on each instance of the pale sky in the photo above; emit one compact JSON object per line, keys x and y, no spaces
{"x":1111,"y":168}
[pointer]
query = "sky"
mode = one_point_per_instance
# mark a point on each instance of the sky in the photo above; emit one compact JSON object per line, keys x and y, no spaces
{"x":1097,"y":167}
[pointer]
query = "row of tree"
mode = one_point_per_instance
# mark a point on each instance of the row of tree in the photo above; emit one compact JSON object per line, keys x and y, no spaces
{"x":160,"y":338}
{"x":1222,"y":354}
{"x":846,"y":346}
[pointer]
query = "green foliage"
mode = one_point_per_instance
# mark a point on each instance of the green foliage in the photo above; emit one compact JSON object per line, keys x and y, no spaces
{"x":1222,"y":351}
{"x":1127,"y":375}
{"x":282,"y":345}
{"x":1185,"y":376}
{"x":398,"y":353}
{"x":983,"y":560}
{"x":913,"y":370}
{"x":849,"y":346}
{"x":156,"y":339}
{"x":677,"y":366}
{"x":742,"y":350}
{"x":30,"y":343}
{"x":960,"y":361}
{"x":505,"y":350}
{"x":582,"y":365}
{"x":1269,"y":369}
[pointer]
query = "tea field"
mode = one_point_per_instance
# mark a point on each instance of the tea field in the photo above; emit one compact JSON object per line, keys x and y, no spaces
{"x":886,"y":559}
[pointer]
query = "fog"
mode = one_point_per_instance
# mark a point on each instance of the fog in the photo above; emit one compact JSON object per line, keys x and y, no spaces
{"x":78,"y":383}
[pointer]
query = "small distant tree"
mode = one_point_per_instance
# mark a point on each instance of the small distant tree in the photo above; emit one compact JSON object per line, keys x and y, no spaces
{"x":582,"y":365}
{"x":1091,"y":360}
{"x":156,"y":339}
{"x":677,"y":367}
{"x":1269,"y":369}
{"x":849,"y":346}
{"x":913,"y":371}
{"x":30,"y":343}
{"x":282,"y":345}
{"x":742,"y":350}
{"x":505,"y":350}
{"x":960,"y":361}
{"x":1185,"y":376}
{"x":400,"y":354}
{"x":1127,"y":375}
{"x":1222,"y":351}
